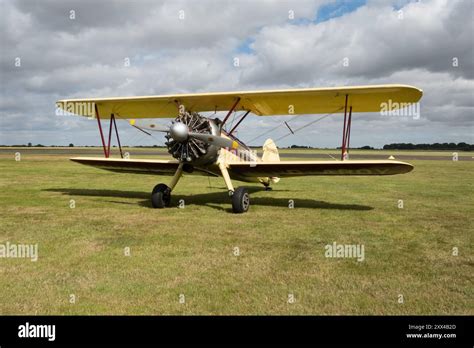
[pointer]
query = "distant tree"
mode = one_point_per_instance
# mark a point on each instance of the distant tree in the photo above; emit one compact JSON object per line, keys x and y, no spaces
{"x":71,"y":145}
{"x":30,"y":144}
{"x":300,"y":147}
{"x":435,"y":146}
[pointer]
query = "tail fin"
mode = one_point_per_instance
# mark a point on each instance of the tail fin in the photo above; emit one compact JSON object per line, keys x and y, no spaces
{"x":270,"y":151}
{"x":270,"y":154}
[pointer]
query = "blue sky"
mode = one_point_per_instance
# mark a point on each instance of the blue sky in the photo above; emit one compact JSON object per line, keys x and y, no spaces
{"x":337,"y":9}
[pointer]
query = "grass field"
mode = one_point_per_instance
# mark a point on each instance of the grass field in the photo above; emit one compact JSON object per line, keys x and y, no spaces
{"x":191,"y":251}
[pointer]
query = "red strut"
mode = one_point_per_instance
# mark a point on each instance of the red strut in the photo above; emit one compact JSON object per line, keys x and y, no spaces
{"x":343,"y":146}
{"x":100,"y":130}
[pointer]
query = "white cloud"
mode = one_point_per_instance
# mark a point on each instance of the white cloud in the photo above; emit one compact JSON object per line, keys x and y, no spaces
{"x":64,"y":58}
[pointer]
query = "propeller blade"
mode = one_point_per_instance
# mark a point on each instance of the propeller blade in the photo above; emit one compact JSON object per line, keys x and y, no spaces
{"x":215,"y":140}
{"x":150,"y":126}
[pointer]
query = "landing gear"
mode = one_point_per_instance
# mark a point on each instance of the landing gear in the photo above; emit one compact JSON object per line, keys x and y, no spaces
{"x":240,"y":197}
{"x":268,"y":187}
{"x":161,"y":196}
{"x":240,"y":200}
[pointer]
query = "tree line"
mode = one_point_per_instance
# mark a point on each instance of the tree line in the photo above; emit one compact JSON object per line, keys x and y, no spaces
{"x":395,"y":146}
{"x":435,"y":146}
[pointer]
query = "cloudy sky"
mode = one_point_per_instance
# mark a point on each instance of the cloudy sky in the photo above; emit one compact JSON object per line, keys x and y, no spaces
{"x":53,"y":50}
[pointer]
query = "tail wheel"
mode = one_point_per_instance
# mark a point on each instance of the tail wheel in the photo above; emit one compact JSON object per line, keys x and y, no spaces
{"x":240,"y":200}
{"x":161,"y":196}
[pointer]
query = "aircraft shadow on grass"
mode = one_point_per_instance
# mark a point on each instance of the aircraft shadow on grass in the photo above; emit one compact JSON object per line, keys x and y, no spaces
{"x":210,"y":199}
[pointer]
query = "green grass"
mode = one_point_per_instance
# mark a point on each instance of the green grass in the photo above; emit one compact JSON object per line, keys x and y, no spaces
{"x":190,"y":251}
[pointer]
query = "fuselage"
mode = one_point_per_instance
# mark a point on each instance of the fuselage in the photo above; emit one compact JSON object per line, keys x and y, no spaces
{"x":242,"y":154}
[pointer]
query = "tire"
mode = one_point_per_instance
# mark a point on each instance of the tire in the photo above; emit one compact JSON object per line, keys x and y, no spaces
{"x":240,"y":200}
{"x":161,"y":196}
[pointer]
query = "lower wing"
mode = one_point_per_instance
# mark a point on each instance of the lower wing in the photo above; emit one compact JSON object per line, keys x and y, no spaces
{"x":283,"y":169}
{"x":135,"y":166}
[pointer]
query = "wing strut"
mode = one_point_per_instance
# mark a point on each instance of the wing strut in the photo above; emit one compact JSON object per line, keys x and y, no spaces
{"x":100,"y":130}
{"x":241,"y":119}
{"x":112,"y":120}
{"x":346,"y":132}
{"x":230,"y":112}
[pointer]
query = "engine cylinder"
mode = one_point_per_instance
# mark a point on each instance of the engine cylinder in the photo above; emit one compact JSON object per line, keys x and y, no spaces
{"x":179,"y":145}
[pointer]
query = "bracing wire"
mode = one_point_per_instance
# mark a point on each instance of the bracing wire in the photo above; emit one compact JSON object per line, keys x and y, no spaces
{"x":233,"y":119}
{"x":297,"y":129}
{"x":273,"y":128}
{"x":139,"y":136}
{"x":306,"y":125}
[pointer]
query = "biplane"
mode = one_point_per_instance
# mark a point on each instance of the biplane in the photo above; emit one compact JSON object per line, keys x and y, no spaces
{"x":204,"y":145}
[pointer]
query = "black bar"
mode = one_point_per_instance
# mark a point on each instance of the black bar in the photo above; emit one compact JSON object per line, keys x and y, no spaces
{"x":341,"y":330}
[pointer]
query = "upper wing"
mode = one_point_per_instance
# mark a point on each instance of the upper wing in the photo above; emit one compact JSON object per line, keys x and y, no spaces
{"x":263,"y":103}
{"x":135,"y":166}
{"x":307,"y":168}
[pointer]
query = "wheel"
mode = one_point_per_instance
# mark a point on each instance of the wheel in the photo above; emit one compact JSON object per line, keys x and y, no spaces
{"x":240,"y":200}
{"x":160,"y":196}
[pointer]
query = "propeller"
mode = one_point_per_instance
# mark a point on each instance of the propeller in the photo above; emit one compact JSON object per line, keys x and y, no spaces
{"x":215,"y":140}
{"x":189,"y":136}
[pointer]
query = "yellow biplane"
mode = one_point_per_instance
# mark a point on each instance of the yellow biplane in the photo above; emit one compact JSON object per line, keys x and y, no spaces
{"x":203,"y":146}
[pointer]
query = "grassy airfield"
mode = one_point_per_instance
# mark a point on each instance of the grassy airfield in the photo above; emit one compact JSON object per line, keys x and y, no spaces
{"x":191,"y":251}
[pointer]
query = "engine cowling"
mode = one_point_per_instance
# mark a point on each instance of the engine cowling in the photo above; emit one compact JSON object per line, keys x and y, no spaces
{"x":182,"y":147}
